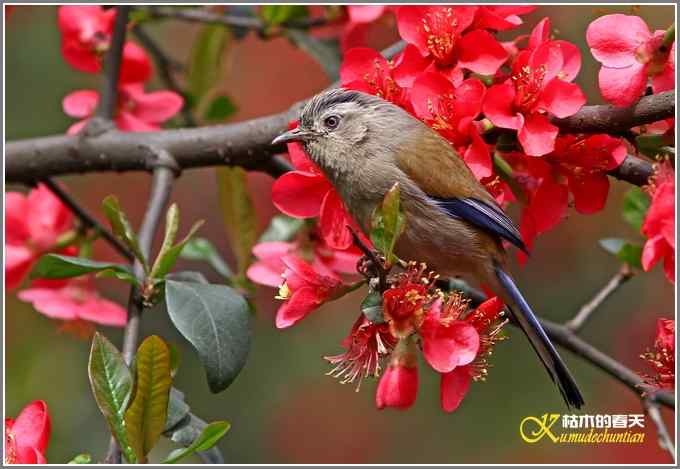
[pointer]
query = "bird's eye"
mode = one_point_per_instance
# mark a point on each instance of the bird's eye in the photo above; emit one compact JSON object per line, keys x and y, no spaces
{"x":331,"y":122}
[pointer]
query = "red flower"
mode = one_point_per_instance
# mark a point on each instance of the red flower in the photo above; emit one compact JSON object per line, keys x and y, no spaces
{"x":86,"y":35}
{"x":539,"y":86}
{"x":662,"y":358}
{"x":501,"y":17}
{"x":364,"y":69}
{"x":630,"y":54}
{"x":451,"y":111}
{"x":305,"y":287}
{"x":73,"y":300}
{"x":306,"y":193}
{"x":136,"y":110}
{"x":27,"y":436}
{"x":443,"y":35}
{"x":367,"y":344}
{"x":33,"y":224}
{"x":398,"y":386}
{"x":659,"y":224}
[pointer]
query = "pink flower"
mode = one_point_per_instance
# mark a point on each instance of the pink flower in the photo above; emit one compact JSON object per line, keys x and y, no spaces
{"x":501,"y":17}
{"x":269,"y":266}
{"x":398,"y":386}
{"x":360,"y":18}
{"x":72,"y":300}
{"x":27,"y":436}
{"x":451,"y":111}
{"x":662,"y":358}
{"x":136,"y":110}
{"x":539,"y":87}
{"x":33,"y":224}
{"x":305,"y":287}
{"x":306,"y":193}
{"x":364,"y":69}
{"x":86,"y":36}
{"x":630,"y":54}
{"x":659,"y":223}
{"x":443,"y":35}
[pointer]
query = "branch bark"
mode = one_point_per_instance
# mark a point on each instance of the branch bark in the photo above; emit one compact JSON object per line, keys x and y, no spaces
{"x":246,"y":144}
{"x":112,"y":63}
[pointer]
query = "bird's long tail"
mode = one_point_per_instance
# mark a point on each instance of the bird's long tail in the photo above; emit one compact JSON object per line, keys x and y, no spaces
{"x":539,"y":340}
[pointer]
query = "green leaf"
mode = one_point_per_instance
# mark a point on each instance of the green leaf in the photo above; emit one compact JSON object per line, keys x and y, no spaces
{"x":220,"y":108}
{"x":205,"y":65}
{"x":210,"y":435}
{"x":200,"y":249}
{"x":635,"y":206}
{"x":177,"y":409}
{"x":171,"y":227}
{"x":215,"y":319}
{"x":388,"y":223}
{"x":281,"y":228}
{"x":372,"y":307}
{"x":111,"y":383}
{"x":627,"y":252}
{"x":174,"y":359}
{"x":57,"y":266}
{"x":166,"y":260}
{"x":240,"y":219}
{"x":83,"y":458}
{"x":145,"y":418}
{"x":183,"y":427}
{"x":121,"y":227}
{"x":325,"y":52}
{"x":276,"y":14}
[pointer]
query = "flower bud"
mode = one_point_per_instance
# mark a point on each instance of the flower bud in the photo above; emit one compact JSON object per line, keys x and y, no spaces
{"x":398,"y":387}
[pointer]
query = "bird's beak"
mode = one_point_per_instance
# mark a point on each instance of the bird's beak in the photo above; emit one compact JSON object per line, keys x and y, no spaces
{"x":295,"y":135}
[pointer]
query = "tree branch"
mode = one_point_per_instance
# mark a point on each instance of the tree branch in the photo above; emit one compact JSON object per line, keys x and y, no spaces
{"x":246,"y":144}
{"x":664,"y":438}
{"x":624,"y":274}
{"x":87,"y":220}
{"x":564,"y":337}
{"x":612,"y":119}
{"x":161,"y":186}
{"x":112,"y":63}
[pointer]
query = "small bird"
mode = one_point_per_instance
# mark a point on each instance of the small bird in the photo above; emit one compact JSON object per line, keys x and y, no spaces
{"x":364,"y":145}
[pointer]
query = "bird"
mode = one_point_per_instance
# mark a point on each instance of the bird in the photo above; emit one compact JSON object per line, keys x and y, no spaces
{"x":364,"y":145}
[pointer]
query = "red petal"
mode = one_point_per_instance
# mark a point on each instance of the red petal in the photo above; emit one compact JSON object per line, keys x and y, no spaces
{"x":105,"y":312}
{"x":469,"y":97}
{"x":129,"y":123}
{"x":654,"y":249}
{"x":571,"y":60}
{"x":537,"y":135}
{"x":427,"y":90}
{"x":16,"y":208}
{"x":562,"y":99}
{"x":669,"y":266}
{"x":80,"y":103}
{"x":300,"y":194}
{"x":365,"y":13}
{"x":623,"y":86}
{"x":32,"y":427}
{"x":79,"y":57}
{"x":477,"y":156}
{"x":53,"y":303}
{"x":136,"y":66}
{"x":300,"y":304}
{"x":547,"y":206}
{"x":398,"y":388}
{"x":359,"y":61}
{"x":453,"y":388}
{"x":354,"y":35}
{"x":480,"y":52}
{"x":410,"y":24}
{"x":157,"y":107}
{"x":334,"y":220}
{"x":613,"y":39}
{"x":48,"y":219}
{"x":498,"y":106}
{"x":447,"y":346}
{"x":540,"y":33}
{"x":18,"y":263}
{"x":409,"y":65}
{"x":590,"y":193}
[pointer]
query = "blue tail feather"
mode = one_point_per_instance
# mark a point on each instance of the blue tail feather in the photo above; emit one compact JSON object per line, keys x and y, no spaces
{"x":540,"y":342}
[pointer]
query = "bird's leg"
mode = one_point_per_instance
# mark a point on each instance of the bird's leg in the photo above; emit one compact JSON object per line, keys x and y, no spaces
{"x":372,"y":264}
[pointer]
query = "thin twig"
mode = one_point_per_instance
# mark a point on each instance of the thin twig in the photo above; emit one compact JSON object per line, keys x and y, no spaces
{"x":664,"y":438}
{"x":165,"y":66}
{"x":161,"y":187}
{"x":87,"y":220}
{"x":563,"y":336}
{"x":112,"y":63}
{"x":624,"y":274}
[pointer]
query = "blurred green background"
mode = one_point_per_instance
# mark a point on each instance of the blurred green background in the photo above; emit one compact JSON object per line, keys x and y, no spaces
{"x":282,"y":407}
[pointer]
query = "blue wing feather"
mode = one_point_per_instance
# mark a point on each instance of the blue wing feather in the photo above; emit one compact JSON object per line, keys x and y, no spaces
{"x":483,"y":215}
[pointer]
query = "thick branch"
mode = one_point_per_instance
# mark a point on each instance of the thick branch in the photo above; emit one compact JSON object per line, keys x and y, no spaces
{"x":612,"y":119}
{"x":112,"y":62}
{"x":664,"y":438}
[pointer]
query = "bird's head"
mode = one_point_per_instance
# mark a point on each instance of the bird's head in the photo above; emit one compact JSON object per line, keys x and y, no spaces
{"x":340,"y":128}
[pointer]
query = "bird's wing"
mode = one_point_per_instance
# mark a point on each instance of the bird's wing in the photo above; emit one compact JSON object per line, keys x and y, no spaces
{"x":435,"y":167}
